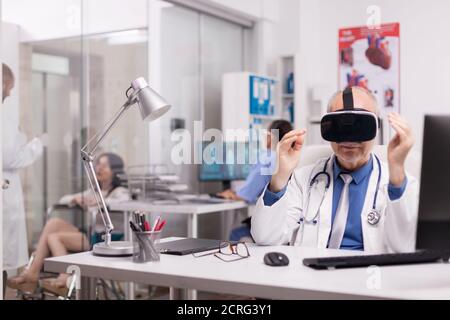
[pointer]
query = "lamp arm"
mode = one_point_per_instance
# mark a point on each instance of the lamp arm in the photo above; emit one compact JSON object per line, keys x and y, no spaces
{"x":98,"y":138}
{"x":88,"y":157}
{"x":99,"y":199}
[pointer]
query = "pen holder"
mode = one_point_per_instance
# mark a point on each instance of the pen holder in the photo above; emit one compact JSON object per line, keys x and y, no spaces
{"x":144,"y":246}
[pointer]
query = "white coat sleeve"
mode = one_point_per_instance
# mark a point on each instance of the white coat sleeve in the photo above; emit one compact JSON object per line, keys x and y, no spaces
{"x":274,"y":225}
{"x":67,"y":199}
{"x":25,"y":155}
{"x":119,"y":194}
{"x":401,"y":219}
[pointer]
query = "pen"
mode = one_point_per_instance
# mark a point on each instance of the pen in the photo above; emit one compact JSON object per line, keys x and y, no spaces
{"x":161,"y":225}
{"x":147,"y":226}
{"x":140,"y":220}
{"x":156,"y":223}
{"x":134,"y":227}
{"x":136,"y":217}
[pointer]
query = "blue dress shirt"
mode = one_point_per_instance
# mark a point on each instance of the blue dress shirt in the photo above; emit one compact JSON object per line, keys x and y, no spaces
{"x":353,"y":238}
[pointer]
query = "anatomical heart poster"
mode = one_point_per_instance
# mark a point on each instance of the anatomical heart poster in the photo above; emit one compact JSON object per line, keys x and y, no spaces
{"x":370,"y":58}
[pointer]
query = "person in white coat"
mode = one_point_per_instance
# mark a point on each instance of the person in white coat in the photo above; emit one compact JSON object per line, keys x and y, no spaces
{"x":17,"y":154}
{"x":369,"y":205}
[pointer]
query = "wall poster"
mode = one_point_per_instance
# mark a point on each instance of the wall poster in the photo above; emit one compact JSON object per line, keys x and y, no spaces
{"x":370,"y":58}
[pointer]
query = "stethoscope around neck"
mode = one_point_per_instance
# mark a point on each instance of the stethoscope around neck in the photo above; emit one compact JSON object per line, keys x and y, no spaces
{"x":373,"y":218}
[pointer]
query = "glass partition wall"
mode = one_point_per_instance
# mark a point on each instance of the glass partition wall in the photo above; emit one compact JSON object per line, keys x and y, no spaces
{"x":74,"y":64}
{"x":70,"y":110}
{"x":73,"y":75}
{"x":46,"y":58}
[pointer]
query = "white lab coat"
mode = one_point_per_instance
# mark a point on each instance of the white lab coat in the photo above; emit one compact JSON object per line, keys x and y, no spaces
{"x":395,"y":232}
{"x":17,"y":154}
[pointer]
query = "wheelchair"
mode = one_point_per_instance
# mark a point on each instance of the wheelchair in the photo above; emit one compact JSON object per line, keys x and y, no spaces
{"x":109,"y":290}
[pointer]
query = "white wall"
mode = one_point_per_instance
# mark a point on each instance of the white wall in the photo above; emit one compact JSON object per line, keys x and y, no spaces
{"x":65,"y":15}
{"x":276,"y":22}
{"x":256,"y":9}
{"x":50,"y":19}
{"x":286,"y":30}
{"x":425,"y":47}
{"x":278,"y":37}
{"x":275,"y":33}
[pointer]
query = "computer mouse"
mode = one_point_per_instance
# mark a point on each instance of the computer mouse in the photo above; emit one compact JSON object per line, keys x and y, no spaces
{"x":276,"y":259}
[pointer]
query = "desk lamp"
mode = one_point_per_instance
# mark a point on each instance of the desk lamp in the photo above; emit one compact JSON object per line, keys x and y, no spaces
{"x":152,"y":106}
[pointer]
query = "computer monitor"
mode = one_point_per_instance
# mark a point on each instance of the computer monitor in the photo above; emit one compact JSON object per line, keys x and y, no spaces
{"x":231,"y":162}
{"x":433,"y":230}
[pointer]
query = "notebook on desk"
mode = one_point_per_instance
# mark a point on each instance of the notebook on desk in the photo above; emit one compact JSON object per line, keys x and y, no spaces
{"x":187,"y":246}
{"x":208,"y":201}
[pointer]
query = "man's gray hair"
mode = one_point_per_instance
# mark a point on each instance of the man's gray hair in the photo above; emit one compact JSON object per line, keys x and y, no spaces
{"x":367,"y":92}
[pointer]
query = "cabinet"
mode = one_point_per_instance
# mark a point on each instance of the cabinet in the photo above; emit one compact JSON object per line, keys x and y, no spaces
{"x":249,"y":101}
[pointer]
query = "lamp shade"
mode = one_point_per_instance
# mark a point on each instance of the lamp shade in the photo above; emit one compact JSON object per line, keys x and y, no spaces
{"x":151,"y":104}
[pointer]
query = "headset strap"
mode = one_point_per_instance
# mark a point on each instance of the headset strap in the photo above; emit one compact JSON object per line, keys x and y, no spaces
{"x":347,"y":97}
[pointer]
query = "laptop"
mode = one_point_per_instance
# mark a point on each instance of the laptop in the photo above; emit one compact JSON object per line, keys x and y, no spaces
{"x":433,"y":228}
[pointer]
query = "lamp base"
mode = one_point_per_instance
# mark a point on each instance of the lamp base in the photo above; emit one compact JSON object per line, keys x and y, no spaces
{"x":115,"y":249}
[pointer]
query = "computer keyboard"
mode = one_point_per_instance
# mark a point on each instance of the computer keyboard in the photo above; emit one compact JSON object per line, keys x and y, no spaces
{"x":423,"y":256}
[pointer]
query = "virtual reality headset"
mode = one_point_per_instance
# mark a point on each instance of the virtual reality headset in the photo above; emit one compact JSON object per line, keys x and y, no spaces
{"x":349,"y":124}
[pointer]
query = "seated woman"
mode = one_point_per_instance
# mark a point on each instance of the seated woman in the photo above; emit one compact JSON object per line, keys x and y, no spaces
{"x":60,"y":237}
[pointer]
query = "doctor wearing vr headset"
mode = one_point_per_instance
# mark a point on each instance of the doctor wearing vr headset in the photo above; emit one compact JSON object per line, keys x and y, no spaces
{"x":351,"y":200}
